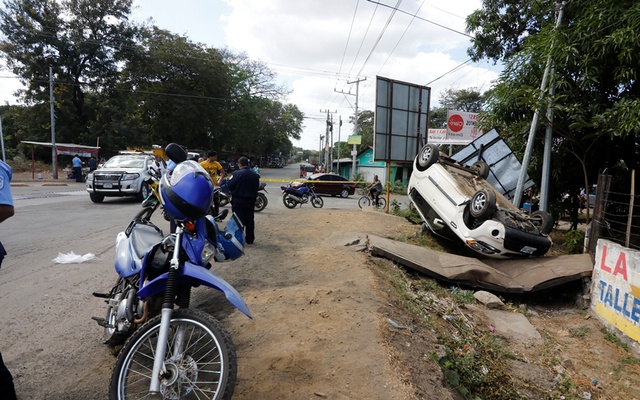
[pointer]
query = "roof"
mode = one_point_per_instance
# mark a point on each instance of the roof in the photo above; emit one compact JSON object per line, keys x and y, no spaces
{"x":68,"y":148}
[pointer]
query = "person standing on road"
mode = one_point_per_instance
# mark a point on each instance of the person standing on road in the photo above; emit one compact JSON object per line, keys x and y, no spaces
{"x":214,"y":168}
{"x":7,"y":390}
{"x":77,"y":168}
{"x":93,"y":164}
{"x":159,"y":165}
{"x":244,"y":187}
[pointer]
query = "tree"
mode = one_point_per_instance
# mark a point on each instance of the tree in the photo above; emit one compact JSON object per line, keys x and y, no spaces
{"x":180,"y":89}
{"x":83,"y":41}
{"x":365,"y":128}
{"x":595,"y":53}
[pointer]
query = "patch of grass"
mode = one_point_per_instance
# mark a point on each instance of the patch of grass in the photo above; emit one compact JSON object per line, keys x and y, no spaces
{"x":630,"y":360}
{"x":613,"y":338}
{"x":579,"y":333}
{"x":574,"y":241}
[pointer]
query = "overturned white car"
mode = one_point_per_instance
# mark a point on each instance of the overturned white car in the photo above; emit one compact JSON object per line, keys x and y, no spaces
{"x":456,"y":199}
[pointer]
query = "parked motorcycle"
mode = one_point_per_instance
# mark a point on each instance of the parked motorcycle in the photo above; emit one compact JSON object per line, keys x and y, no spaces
{"x":223,"y":196}
{"x":292,"y":196}
{"x":173,"y":353}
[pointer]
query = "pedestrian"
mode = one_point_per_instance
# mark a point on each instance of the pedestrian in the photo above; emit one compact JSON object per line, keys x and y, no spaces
{"x":214,"y":168}
{"x":159,"y":166}
{"x":244,"y":187}
{"x":7,"y":390}
{"x":77,"y":168}
{"x":93,"y":164}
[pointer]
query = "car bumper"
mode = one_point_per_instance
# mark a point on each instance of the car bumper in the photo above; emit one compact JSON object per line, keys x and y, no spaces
{"x":123,"y":188}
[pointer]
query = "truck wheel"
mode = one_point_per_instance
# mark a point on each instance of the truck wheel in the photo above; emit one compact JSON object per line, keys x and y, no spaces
{"x":144,"y":192}
{"x":96,"y":198}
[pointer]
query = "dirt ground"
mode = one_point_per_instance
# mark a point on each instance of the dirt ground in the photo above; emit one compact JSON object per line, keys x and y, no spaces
{"x":322,"y":322}
{"x":328,"y":322}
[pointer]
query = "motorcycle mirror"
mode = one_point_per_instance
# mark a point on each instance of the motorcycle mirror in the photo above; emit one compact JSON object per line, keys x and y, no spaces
{"x":175,"y":152}
{"x":223,"y":214}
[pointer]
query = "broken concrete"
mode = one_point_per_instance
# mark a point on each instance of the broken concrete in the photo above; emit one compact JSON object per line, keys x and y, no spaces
{"x":507,"y":276}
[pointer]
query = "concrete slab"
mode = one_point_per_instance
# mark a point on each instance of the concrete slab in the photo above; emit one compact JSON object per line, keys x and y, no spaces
{"x":508,"y":276}
{"x":512,"y":326}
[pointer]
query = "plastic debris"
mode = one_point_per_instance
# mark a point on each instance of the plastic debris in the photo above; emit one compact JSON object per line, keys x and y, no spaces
{"x":398,"y":326}
{"x":73,"y":258}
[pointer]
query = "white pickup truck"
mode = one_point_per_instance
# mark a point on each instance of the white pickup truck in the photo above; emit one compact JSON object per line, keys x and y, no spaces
{"x":121,"y":175}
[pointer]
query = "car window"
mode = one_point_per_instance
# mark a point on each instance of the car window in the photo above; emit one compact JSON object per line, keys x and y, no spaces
{"x":125,"y":162}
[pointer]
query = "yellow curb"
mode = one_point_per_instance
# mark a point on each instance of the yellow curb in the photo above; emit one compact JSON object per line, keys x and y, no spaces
{"x":19,"y":184}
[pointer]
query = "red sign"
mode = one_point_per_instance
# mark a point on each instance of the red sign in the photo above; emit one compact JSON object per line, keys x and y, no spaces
{"x":455,"y":123}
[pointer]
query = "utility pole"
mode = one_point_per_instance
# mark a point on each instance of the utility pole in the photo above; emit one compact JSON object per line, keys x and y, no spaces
{"x":54,"y":152}
{"x":320,"y":149}
{"x":355,"y":128}
{"x":328,"y":160}
{"x":517,"y":198}
{"x":339,"y":129}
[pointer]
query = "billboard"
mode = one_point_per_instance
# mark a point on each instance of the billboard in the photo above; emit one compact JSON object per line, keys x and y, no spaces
{"x":461,"y":129}
{"x":400,"y":123}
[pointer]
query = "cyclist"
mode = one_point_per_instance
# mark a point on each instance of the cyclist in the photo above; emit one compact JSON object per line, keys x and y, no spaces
{"x":375,"y":188}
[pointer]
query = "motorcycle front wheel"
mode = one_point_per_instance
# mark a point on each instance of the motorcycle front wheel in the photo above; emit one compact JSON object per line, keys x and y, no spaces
{"x":205,"y":368}
{"x":261,"y":202}
{"x":289,"y":202}
{"x":317,"y":202}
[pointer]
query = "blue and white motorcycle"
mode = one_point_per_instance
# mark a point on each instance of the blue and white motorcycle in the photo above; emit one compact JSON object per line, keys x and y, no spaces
{"x":170,"y":350}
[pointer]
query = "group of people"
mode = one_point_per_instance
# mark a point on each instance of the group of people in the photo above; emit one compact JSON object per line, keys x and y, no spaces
{"x":77,"y":163}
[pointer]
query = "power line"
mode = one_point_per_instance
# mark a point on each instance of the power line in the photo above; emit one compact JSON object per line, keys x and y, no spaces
{"x":423,"y":19}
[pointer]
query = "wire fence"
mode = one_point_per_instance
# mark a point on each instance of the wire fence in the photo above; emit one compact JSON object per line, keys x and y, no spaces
{"x":616,"y":216}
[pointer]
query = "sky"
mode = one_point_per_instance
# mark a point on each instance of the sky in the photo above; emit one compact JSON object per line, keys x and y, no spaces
{"x":320,"y":48}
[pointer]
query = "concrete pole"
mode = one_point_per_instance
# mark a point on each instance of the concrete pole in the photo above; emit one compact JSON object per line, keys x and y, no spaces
{"x":517,"y":198}
{"x":54,"y":152}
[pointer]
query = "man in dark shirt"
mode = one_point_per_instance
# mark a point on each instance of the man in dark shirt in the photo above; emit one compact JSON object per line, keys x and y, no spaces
{"x":244,"y":186}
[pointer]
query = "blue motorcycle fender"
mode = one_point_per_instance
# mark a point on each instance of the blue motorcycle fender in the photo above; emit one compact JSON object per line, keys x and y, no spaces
{"x":197,"y":275}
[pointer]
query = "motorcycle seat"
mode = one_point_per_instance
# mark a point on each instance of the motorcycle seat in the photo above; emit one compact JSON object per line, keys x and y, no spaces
{"x":143,"y":237}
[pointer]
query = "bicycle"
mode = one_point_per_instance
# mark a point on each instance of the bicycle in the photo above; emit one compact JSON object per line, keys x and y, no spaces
{"x":368,"y":200}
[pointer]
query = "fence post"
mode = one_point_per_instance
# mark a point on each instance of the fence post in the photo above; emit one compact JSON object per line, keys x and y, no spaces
{"x":602,"y":191}
{"x":633,"y":194}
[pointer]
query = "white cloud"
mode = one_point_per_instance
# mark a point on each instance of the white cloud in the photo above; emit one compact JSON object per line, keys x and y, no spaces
{"x":317,"y":46}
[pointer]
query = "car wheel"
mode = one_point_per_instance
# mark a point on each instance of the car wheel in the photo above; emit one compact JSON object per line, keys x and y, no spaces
{"x":543,"y":221}
{"x":144,"y":192}
{"x":427,"y":157}
{"x":344,"y":193}
{"x":482,"y":169}
{"x":96,"y":198}
{"x":483,"y":204}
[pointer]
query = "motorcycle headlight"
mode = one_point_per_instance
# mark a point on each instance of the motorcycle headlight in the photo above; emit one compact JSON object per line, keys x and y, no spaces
{"x":208,"y":252}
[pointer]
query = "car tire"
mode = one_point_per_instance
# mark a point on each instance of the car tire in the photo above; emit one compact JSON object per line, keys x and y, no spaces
{"x":427,"y":157}
{"x":344,"y":193}
{"x":144,"y":192}
{"x":543,"y":220}
{"x":482,"y":169}
{"x":96,"y":197}
{"x":483,"y":204}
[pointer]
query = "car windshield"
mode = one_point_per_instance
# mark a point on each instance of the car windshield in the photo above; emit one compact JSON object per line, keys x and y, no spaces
{"x":125,"y":162}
